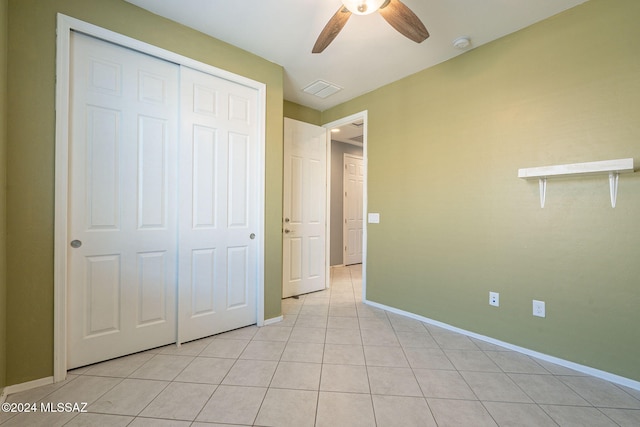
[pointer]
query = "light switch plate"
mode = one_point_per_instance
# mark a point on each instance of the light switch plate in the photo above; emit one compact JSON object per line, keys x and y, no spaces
{"x":374,"y":218}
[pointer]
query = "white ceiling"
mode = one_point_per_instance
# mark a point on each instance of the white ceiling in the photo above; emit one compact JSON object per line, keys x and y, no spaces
{"x":368,"y":53}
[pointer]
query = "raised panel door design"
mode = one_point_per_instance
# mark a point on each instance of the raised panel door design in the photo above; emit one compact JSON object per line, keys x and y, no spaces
{"x":304,"y":208}
{"x":205,"y":100}
{"x":239,"y":108}
{"x":237,"y":181}
{"x":295,"y":262}
{"x":295,"y":185}
{"x":315,"y":256}
{"x":203,"y":279}
{"x":353,"y":209}
{"x":314,"y":190}
{"x":152,"y":88}
{"x":152,"y":172}
{"x":237,"y":277}
{"x":152,"y":290}
{"x":143,"y":233}
{"x":102,"y":295}
{"x":104,"y":76}
{"x":205,"y":184}
{"x":220,"y":152}
{"x":122,"y":198}
{"x":102,"y":174}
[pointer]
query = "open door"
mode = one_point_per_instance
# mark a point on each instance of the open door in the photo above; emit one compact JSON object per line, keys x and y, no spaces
{"x":304,"y":208}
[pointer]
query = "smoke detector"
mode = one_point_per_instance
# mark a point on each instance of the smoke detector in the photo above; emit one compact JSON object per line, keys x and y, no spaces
{"x":462,"y":42}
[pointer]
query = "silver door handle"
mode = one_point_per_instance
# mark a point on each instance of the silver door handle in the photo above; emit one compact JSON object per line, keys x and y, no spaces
{"x":75,"y":244}
{"x":252,"y":236}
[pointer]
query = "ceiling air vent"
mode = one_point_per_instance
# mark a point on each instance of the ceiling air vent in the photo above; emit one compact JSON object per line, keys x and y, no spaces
{"x":321,"y":89}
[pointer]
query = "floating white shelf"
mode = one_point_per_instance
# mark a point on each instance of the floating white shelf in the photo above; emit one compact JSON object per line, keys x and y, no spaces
{"x":612,"y":167}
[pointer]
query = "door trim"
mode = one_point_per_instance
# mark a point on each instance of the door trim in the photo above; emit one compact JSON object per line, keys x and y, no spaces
{"x":364,"y":115}
{"x":65,"y":25}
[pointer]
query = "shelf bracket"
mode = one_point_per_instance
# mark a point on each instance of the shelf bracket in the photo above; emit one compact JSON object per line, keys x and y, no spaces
{"x":612,"y":167}
{"x":613,"y":187}
{"x":543,"y":191}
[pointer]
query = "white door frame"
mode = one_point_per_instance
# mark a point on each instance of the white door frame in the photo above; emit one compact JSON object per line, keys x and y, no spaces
{"x":65,"y":25}
{"x":362,"y":115}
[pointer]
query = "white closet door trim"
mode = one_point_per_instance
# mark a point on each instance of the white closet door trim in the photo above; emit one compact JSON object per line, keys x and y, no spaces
{"x":65,"y":25}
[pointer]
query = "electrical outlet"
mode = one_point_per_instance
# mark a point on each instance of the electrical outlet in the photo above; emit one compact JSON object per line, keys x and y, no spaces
{"x":538,"y":308}
{"x":494,"y":299}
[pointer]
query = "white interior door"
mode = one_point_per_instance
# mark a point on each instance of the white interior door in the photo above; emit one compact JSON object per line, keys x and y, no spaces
{"x":219,"y":205}
{"x":353,"y":180}
{"x":304,"y":208}
{"x":122,"y":197}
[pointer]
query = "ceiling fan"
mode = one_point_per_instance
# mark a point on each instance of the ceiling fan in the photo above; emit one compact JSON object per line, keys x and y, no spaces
{"x":394,"y":12}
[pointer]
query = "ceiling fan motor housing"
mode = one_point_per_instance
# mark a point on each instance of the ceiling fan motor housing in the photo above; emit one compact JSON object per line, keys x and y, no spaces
{"x":363,"y":7}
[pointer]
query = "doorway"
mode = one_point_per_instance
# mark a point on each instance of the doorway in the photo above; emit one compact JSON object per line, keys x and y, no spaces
{"x":349,"y":139}
{"x":353,"y":133}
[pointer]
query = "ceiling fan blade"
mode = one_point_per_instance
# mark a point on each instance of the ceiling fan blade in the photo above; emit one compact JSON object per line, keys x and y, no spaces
{"x":331,"y":30}
{"x":404,"y":21}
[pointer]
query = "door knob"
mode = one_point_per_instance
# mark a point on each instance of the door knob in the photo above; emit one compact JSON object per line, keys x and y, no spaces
{"x":287,"y":231}
{"x":75,"y":244}
{"x":252,"y":236}
{"x":287,"y":220}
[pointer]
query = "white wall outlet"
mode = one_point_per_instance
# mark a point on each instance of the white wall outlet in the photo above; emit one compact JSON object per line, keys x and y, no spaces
{"x":538,"y":308}
{"x":494,"y":299}
{"x":373,"y":218}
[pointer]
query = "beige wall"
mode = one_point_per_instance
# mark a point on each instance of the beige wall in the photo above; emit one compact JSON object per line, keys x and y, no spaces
{"x":3,"y":193}
{"x":444,"y":148}
{"x":30,"y":155}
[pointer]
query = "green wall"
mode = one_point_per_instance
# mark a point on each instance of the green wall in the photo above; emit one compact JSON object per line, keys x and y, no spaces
{"x":30,"y":158}
{"x":453,"y":137}
{"x":302,"y":113}
{"x":3,"y":183}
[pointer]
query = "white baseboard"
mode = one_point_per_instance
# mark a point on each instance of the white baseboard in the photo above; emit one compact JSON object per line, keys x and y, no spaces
{"x":617,"y":379}
{"x":17,"y":388}
{"x":273,"y":320}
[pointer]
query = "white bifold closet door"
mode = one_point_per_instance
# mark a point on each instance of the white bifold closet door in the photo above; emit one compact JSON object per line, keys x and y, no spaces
{"x":161,"y":204}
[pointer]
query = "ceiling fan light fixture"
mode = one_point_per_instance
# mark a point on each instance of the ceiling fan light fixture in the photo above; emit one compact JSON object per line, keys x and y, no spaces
{"x":362,"y":7}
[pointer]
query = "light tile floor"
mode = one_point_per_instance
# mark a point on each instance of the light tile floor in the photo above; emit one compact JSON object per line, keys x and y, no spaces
{"x":333,"y":361}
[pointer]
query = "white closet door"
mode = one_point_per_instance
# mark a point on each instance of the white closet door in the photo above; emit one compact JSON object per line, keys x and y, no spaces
{"x":122,"y":197}
{"x":218,"y":205}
